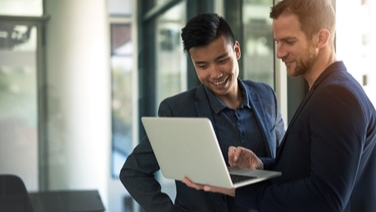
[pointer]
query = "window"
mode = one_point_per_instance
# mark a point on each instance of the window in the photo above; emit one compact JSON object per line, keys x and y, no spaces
{"x":120,"y":8}
{"x":122,"y":94}
{"x":19,"y":102}
{"x":21,"y":7}
{"x":123,"y":77}
{"x":170,"y":58}
{"x":257,"y":46}
{"x":356,"y":41}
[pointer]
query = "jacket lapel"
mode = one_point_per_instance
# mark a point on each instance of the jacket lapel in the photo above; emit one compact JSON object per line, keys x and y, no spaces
{"x":259,"y":112}
{"x":332,"y":68}
{"x":201,"y":103}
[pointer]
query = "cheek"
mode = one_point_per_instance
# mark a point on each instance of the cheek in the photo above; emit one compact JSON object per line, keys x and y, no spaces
{"x":202,"y":74}
{"x":298,"y":50}
{"x":231,"y":65}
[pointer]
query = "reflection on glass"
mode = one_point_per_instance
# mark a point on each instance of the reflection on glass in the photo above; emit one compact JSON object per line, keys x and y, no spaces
{"x":21,"y":7}
{"x":18,"y":103}
{"x":170,"y":58}
{"x":121,"y":71}
{"x":257,"y":49}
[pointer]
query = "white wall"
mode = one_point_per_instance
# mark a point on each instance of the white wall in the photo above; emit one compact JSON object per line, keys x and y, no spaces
{"x":78,"y":82}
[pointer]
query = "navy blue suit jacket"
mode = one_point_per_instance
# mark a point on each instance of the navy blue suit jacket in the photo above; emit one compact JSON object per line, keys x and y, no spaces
{"x":328,"y":154}
{"x":137,"y":174}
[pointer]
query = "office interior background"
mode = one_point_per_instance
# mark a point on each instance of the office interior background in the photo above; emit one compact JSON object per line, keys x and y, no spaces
{"x":77,"y":75}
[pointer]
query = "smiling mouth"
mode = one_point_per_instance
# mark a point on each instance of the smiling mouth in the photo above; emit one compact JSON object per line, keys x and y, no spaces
{"x":287,"y":61}
{"x":220,"y":82}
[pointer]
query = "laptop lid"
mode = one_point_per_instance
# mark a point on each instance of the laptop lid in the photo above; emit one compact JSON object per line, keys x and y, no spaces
{"x":188,"y":147}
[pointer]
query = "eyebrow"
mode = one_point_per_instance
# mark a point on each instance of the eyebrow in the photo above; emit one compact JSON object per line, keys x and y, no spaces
{"x":286,"y":38}
{"x":224,"y":55}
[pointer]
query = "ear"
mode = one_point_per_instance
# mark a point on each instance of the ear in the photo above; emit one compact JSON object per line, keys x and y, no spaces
{"x":237,"y":50}
{"x":324,"y":37}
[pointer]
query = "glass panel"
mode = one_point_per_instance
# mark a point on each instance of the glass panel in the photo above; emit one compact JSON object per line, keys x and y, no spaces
{"x":21,"y":7}
{"x":18,"y":105}
{"x":122,"y":84}
{"x":160,"y":2}
{"x":356,"y":34}
{"x":120,"y":7}
{"x":170,"y":58}
{"x":257,"y":46}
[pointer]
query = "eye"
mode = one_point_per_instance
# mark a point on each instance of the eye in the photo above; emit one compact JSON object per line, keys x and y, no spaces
{"x":222,"y":61}
{"x":290,"y":41}
{"x":202,"y":66}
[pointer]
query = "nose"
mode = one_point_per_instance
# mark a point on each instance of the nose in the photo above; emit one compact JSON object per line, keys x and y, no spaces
{"x":219,"y":75}
{"x":215,"y":72}
{"x":281,"y":52}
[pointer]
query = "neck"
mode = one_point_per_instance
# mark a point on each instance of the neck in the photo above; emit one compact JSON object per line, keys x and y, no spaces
{"x":232,"y":100}
{"x":324,"y":59}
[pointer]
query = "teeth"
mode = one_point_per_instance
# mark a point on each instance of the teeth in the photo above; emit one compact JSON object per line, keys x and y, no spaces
{"x":221,"y":82}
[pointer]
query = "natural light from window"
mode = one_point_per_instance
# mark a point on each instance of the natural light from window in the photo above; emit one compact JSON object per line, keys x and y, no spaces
{"x":356,"y":39}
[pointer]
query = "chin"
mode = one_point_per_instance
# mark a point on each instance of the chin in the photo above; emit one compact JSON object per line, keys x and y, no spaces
{"x":291,"y":73}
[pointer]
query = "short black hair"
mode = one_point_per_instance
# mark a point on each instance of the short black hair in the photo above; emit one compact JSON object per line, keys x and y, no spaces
{"x":203,"y":29}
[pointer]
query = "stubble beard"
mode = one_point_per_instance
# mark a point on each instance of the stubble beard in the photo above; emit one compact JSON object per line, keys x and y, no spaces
{"x":305,"y":63}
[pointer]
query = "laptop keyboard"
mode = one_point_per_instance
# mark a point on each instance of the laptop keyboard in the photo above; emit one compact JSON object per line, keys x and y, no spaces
{"x":239,"y":178}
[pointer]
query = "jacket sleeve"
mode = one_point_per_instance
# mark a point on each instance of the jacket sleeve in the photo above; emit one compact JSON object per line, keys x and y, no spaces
{"x":138,"y":177}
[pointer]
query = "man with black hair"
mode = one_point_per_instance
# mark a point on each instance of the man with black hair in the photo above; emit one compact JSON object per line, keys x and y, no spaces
{"x":243,"y":113}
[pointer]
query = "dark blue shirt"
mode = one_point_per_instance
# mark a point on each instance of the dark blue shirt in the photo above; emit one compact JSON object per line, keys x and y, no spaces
{"x":238,"y":127}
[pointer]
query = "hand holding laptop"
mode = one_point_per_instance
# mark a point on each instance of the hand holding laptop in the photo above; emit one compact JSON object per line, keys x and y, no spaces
{"x":209,"y":188}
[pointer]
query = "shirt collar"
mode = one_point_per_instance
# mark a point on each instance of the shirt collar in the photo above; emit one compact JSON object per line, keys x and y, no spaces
{"x":217,"y":105}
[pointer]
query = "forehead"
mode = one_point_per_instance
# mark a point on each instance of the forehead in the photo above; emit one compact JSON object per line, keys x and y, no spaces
{"x":211,"y":51}
{"x":287,"y":25}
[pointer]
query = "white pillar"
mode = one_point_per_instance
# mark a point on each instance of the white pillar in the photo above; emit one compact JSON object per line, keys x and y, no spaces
{"x":78,"y":83}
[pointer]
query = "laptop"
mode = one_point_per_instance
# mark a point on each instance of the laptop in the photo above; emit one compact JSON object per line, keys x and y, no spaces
{"x":188,"y":147}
